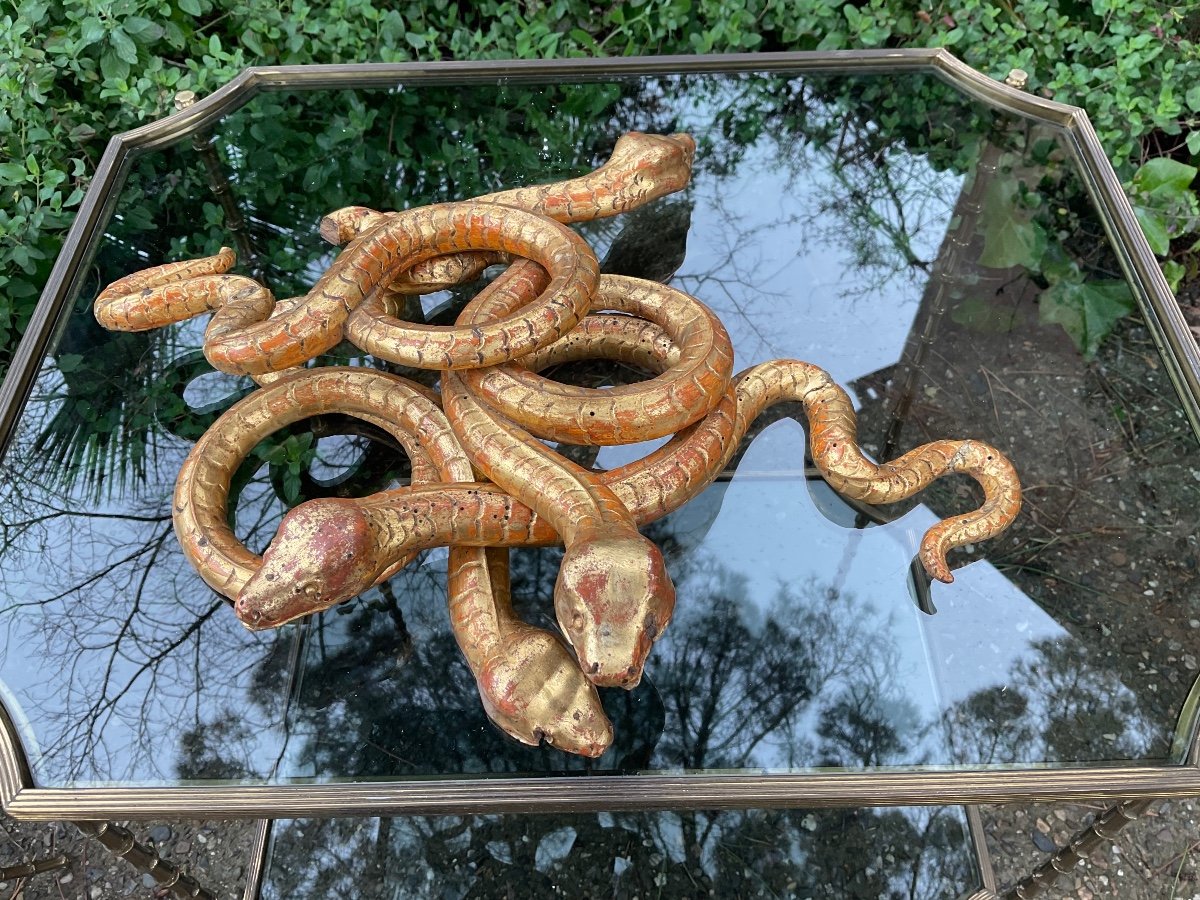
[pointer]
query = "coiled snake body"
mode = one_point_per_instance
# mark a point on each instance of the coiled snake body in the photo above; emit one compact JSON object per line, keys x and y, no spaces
{"x":613,"y":597}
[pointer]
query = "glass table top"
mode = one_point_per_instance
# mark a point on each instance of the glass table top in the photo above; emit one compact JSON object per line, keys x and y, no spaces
{"x":940,"y":258}
{"x":848,"y":854}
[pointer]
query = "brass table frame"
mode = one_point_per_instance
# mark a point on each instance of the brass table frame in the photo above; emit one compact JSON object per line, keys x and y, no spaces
{"x":21,"y":798}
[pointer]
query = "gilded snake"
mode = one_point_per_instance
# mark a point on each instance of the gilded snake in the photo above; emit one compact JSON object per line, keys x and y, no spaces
{"x":329,"y":550}
{"x":613,"y":596}
{"x":247,"y":335}
{"x":339,"y":551}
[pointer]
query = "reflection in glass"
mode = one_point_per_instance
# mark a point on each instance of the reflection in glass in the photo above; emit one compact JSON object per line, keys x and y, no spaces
{"x":937,"y":258}
{"x":920,"y":854}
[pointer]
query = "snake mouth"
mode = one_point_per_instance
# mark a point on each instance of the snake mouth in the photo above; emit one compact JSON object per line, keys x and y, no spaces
{"x":619,"y":676}
{"x":251,"y":618}
{"x":684,"y":140}
{"x":257,"y":610}
{"x":592,"y":747}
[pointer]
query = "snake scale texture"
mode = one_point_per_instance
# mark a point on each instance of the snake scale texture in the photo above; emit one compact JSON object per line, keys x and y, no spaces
{"x":483,"y":477}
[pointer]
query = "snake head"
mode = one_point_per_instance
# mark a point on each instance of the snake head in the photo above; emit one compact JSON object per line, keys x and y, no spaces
{"x":662,"y":163}
{"x":343,"y":225}
{"x":533,"y":689}
{"x":323,"y":553}
{"x":613,"y":598}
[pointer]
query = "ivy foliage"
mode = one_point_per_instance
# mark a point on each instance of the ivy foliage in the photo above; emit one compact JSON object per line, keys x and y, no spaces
{"x":74,"y":72}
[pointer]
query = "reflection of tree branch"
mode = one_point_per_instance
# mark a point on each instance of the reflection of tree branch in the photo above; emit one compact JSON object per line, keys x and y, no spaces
{"x":105,"y":707}
{"x":25,"y":524}
{"x":897,"y":233}
{"x":151,"y":547}
{"x":134,"y":609}
{"x":105,"y":614}
{"x":740,"y":246}
{"x":871,"y":205}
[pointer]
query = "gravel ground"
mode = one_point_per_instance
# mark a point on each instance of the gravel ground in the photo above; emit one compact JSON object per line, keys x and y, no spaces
{"x":1155,"y":858}
{"x":214,"y":853}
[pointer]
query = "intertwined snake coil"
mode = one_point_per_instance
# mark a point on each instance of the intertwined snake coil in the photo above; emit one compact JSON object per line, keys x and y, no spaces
{"x":613,"y":597}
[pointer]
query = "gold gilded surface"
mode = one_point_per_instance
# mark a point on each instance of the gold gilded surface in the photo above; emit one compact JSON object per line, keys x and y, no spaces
{"x":613,"y":597}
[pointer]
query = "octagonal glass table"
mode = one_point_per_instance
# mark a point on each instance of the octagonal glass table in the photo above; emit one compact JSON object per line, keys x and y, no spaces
{"x":957,"y":253}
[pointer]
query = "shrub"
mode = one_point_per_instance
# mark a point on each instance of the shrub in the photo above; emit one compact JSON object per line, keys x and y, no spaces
{"x":74,"y":72}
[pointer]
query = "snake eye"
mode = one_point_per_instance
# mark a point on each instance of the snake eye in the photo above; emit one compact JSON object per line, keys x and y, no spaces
{"x":578,"y":620}
{"x":307,"y":588}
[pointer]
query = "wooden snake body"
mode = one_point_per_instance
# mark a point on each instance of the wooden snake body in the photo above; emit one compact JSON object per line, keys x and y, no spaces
{"x":613,"y":597}
{"x":481,"y":514}
{"x":546,"y":698}
{"x":245,"y":338}
{"x":248,"y":335}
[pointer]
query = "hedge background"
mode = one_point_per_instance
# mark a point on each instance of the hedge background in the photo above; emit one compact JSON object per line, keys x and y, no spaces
{"x":74,"y":72}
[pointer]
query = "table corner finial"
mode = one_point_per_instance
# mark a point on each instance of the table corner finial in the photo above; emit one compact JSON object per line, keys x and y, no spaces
{"x":1016,"y":78}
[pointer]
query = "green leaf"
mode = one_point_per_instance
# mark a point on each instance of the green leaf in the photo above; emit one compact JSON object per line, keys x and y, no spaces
{"x":417,"y":41}
{"x":979,"y":315}
{"x":291,"y":487}
{"x":1058,"y":266}
{"x":142,"y":29}
{"x":1192,"y":98}
{"x":32,"y":165}
{"x":34,"y":12}
{"x":1087,"y":312}
{"x":13,"y":173}
{"x":123,"y":45}
{"x":113,"y":67}
{"x":1163,"y":172}
{"x":1013,"y":243}
{"x":833,"y":40}
{"x":69,"y":362}
{"x":81,"y":132}
{"x":1154,"y":226}
{"x":91,"y":30}
{"x":583,"y":38}
{"x":1010,"y":236}
{"x":250,"y":39}
{"x":191,"y":7}
{"x":270,"y":453}
{"x":1173,"y":272}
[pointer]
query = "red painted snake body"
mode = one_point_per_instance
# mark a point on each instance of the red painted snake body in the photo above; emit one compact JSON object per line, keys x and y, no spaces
{"x":613,"y":597}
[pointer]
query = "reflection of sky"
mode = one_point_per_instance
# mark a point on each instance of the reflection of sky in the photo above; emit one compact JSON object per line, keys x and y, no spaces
{"x":114,"y":651}
{"x":787,"y":265}
{"x":770,"y":531}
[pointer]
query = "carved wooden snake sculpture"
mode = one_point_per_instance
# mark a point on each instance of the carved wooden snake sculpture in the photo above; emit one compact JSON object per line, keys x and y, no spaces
{"x":613,"y":597}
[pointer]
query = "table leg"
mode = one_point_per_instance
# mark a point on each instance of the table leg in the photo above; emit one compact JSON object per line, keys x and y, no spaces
{"x":120,"y":841}
{"x":257,"y":866}
{"x":1106,"y":827}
